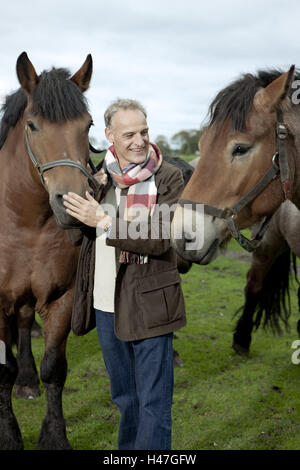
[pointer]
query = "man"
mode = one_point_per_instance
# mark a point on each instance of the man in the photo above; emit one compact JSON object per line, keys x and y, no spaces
{"x":136,"y":292}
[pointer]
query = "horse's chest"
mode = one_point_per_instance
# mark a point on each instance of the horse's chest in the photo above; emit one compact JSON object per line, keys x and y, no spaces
{"x":36,"y":268}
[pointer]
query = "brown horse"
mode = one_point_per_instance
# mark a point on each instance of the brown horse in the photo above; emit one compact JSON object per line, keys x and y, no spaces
{"x":44,"y":154}
{"x":267,"y":292}
{"x":249,"y":164}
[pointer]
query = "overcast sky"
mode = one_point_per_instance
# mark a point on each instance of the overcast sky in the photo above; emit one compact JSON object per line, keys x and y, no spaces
{"x":172,"y":55}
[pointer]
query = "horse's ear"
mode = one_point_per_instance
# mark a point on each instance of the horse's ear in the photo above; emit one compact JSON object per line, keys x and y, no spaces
{"x":276,"y":93}
{"x":26,"y":73}
{"x":82,"y":77}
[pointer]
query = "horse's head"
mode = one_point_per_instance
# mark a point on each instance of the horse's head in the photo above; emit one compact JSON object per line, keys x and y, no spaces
{"x":236,"y":152}
{"x":56,"y":125}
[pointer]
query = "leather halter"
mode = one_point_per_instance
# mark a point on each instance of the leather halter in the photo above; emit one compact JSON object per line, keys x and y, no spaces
{"x":279,"y":166}
{"x":41,"y":168}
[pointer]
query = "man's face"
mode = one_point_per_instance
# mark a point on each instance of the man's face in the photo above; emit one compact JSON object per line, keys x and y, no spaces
{"x":129,"y":134}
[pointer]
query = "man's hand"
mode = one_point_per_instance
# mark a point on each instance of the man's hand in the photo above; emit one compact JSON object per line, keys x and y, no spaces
{"x":88,"y":210}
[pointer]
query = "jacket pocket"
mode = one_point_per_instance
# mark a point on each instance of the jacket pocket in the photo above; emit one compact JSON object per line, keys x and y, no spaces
{"x":161,"y":298}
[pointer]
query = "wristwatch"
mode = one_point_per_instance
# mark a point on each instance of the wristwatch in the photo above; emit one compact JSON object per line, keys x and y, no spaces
{"x":107,"y":229}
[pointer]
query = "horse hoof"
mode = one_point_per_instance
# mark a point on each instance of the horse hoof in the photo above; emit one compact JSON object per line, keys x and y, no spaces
{"x":27,"y":392}
{"x":51,"y":443}
{"x":10,"y":436}
{"x":53,"y":436}
{"x":242,"y":351}
{"x":11,"y":444}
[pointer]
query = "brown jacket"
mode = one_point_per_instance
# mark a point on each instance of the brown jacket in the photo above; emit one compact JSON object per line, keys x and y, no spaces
{"x":148,"y":297}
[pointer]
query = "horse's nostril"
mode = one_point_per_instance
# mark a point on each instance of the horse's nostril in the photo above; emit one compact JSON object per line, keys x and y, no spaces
{"x":58,"y":201}
{"x":59,"y":198}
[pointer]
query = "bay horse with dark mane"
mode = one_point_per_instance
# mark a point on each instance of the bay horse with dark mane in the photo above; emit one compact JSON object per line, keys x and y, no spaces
{"x":44,"y":154}
{"x":249,"y":165}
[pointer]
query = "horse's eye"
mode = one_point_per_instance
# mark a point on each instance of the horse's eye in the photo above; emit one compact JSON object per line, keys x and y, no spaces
{"x":31,"y":126}
{"x":240,"y":150}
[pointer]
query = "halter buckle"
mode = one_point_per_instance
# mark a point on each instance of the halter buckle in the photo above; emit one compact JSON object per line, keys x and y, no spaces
{"x":282,"y":131}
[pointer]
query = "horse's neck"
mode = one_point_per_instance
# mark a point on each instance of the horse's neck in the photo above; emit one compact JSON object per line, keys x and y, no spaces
{"x":292,"y":119}
{"x":21,"y":190}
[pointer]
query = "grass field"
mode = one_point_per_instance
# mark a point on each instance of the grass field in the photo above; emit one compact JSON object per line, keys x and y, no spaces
{"x":221,"y":400}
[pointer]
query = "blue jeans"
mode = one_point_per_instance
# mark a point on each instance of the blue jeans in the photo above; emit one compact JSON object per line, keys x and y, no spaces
{"x":141,"y":382}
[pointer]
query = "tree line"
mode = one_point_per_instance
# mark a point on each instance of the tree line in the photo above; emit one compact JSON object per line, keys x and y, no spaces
{"x":184,"y":142}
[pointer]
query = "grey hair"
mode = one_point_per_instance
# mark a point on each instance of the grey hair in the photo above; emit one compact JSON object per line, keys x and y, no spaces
{"x":121,"y":103}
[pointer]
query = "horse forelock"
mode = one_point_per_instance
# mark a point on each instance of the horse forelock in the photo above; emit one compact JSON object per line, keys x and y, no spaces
{"x":235,"y":101}
{"x":56,"y":98}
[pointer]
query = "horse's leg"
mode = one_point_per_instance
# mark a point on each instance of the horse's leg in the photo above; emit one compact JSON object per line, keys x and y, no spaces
{"x":10,"y":435}
{"x":53,"y":372}
{"x":27,"y":382}
{"x":272,"y":245}
{"x":243,"y":330}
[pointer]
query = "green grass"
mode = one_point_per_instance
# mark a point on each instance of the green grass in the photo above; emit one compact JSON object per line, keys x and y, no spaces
{"x":221,"y":400}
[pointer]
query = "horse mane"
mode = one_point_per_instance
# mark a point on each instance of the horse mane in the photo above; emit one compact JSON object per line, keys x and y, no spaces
{"x":56,"y":98}
{"x":235,"y":101}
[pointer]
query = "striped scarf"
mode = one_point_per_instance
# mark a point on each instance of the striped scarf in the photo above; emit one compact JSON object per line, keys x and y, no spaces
{"x":142,"y":192}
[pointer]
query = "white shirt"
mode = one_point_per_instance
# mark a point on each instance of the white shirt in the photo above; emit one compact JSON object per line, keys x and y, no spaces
{"x":105,"y":263}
